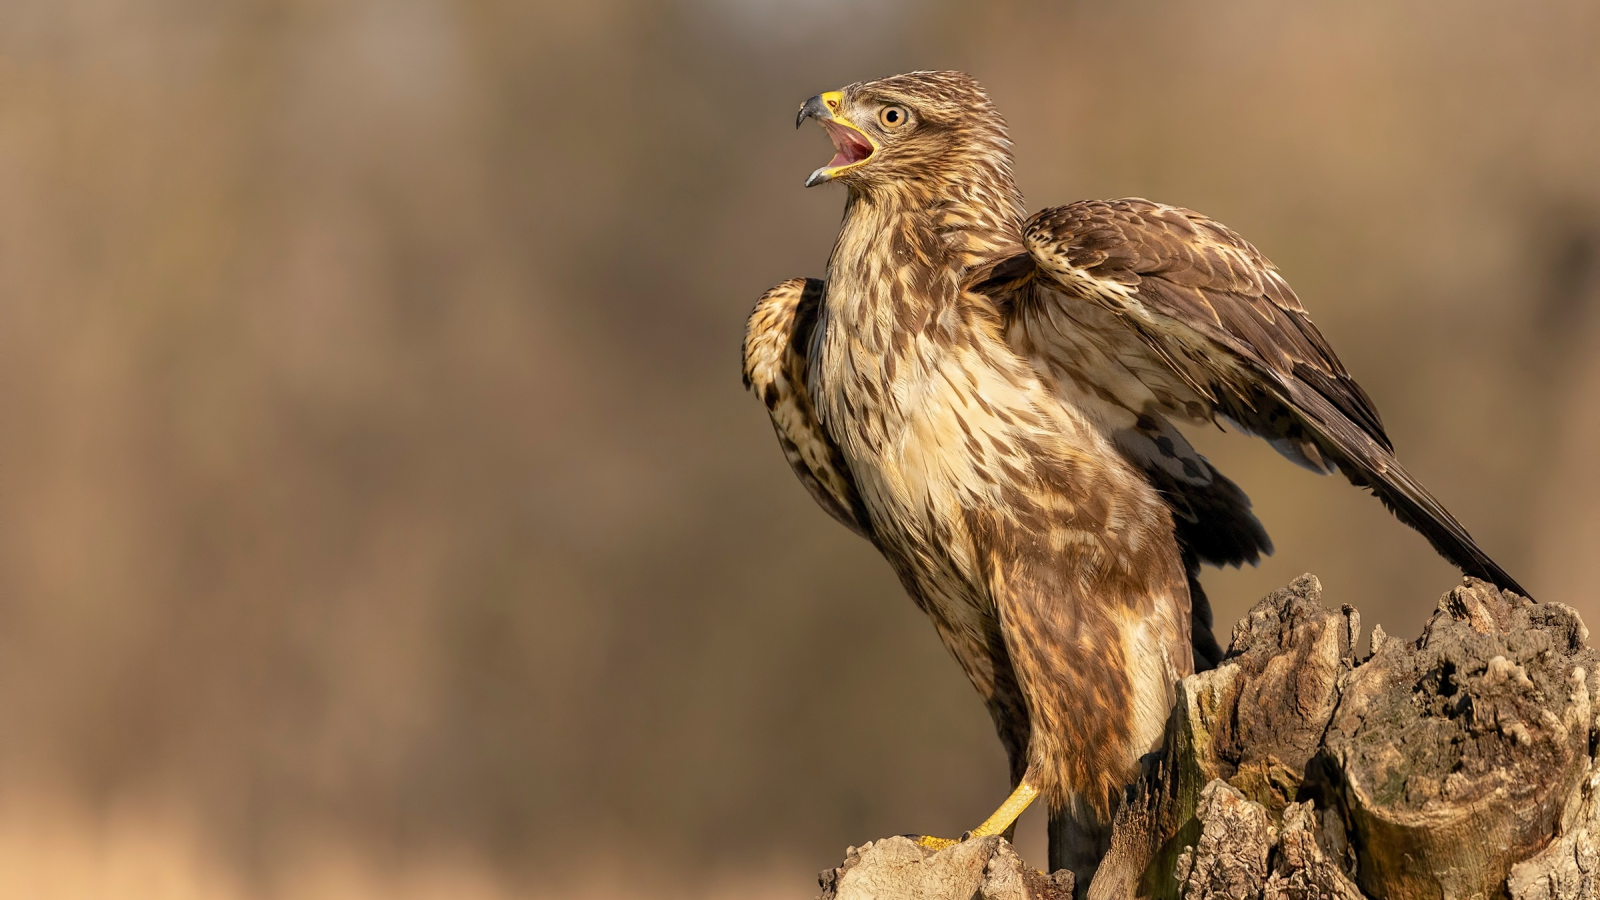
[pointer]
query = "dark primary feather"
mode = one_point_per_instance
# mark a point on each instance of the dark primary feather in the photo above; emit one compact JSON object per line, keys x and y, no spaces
{"x":1226,"y":324}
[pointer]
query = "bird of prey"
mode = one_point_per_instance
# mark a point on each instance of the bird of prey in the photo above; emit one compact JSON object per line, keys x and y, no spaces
{"x":989,"y":397}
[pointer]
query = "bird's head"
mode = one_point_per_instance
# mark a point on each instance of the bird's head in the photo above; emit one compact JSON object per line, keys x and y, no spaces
{"x":922,"y":132}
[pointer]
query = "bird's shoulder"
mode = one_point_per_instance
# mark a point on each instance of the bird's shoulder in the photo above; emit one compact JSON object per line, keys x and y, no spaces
{"x":1126,"y":241}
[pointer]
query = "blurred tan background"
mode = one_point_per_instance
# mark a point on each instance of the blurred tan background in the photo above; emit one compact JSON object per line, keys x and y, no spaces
{"x":380,"y":512}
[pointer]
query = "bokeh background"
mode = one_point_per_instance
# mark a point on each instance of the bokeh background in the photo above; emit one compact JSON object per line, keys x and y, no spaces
{"x":380,"y":511}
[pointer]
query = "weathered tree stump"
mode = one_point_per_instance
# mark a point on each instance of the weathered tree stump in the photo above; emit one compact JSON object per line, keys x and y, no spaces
{"x":898,"y":868}
{"x":1460,"y":765}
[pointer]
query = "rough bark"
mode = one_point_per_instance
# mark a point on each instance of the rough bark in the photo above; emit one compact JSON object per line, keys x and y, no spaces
{"x":1453,"y":758}
{"x":1458,"y":765}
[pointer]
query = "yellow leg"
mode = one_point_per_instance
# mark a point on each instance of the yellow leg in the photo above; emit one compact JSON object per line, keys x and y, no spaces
{"x":996,"y":823}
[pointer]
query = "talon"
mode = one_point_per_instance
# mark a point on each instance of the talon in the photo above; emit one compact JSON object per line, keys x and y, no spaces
{"x":995,"y":824}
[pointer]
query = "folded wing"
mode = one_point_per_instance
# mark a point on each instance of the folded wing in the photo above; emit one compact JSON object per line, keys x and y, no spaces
{"x":775,"y":342}
{"x":1222,"y":336}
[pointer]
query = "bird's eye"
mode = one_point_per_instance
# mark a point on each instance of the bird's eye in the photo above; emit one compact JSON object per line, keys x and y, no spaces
{"x":893,"y":116}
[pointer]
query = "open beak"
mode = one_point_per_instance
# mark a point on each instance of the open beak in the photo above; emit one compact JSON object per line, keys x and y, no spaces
{"x":851,"y":147}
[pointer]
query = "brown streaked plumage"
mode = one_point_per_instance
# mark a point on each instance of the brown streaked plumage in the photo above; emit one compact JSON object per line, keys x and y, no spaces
{"x":989,"y":398}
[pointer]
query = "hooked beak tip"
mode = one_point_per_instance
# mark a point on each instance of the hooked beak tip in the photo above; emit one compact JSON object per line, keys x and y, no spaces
{"x":814,"y":108}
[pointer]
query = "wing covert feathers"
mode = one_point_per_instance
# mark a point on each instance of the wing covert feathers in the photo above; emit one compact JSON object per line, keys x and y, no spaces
{"x":1227,"y":326}
{"x":776,"y":340}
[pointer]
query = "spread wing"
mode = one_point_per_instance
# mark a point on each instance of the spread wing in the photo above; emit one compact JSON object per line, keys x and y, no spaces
{"x":1222,"y":335}
{"x":775,"y":342}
